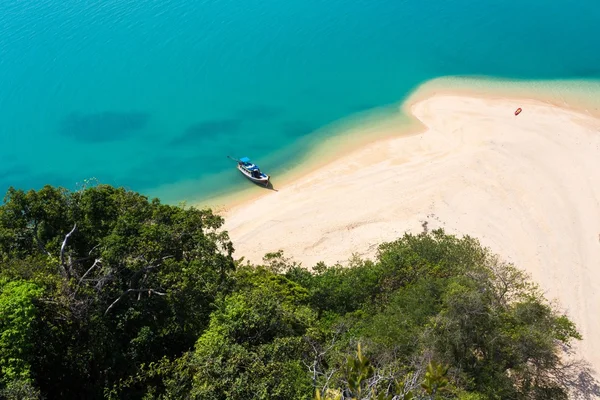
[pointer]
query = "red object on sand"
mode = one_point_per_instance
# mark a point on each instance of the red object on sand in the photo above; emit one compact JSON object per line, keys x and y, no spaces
{"x":518,"y":111}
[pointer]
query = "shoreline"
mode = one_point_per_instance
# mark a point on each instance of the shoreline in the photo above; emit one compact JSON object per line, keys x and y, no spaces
{"x":339,"y":138}
{"x":348,"y":135}
{"x":527,"y":186}
{"x":582,"y":96}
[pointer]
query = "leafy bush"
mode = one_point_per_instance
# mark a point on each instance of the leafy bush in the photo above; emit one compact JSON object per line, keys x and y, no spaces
{"x":105,"y":294}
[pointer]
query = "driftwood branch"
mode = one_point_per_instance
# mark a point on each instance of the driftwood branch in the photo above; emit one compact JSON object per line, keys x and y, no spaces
{"x":125,"y":293}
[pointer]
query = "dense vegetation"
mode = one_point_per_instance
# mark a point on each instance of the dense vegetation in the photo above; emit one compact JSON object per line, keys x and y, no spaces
{"x":104,"y":294}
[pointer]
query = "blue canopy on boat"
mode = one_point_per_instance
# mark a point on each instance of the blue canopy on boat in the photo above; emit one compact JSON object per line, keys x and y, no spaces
{"x":245,"y":159}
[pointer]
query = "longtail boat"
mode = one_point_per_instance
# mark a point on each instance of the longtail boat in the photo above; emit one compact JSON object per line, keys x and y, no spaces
{"x":251,"y":171}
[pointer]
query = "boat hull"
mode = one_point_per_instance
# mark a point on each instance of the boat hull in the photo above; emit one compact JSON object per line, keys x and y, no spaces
{"x":263,"y":180}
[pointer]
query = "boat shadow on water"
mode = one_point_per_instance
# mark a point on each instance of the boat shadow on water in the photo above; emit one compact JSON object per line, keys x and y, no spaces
{"x":269,"y":186}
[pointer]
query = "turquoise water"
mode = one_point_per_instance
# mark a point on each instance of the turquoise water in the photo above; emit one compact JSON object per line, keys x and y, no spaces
{"x":152,"y":95}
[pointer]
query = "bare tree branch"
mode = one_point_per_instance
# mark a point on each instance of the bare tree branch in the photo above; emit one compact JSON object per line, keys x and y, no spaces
{"x":41,"y":247}
{"x":80,"y":260}
{"x":63,"y":248}
{"x":93,"y":248}
{"x":96,"y":262}
{"x":150,"y":292}
{"x":136,"y":275}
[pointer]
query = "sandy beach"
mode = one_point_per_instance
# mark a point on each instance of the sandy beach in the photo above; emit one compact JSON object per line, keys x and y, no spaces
{"x":527,"y":186}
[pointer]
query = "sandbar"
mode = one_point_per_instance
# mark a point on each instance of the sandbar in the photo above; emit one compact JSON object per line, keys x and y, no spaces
{"x":527,"y":186}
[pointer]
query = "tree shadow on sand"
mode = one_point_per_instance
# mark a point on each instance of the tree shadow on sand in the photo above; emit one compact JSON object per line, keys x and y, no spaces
{"x":578,"y":377}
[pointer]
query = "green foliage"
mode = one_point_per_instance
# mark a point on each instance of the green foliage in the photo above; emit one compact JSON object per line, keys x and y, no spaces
{"x":17,"y":327}
{"x":254,"y":344}
{"x":129,"y":281}
{"x":433,"y":255}
{"x":435,"y":379}
{"x":359,"y":376}
{"x":105,"y":294}
{"x":449,"y":297}
{"x":278,"y":263}
{"x":20,"y":389}
{"x":358,"y":371}
{"x":339,"y":289}
{"x":399,"y":325}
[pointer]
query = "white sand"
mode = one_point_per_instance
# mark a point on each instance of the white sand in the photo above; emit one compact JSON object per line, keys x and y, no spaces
{"x":527,"y":186}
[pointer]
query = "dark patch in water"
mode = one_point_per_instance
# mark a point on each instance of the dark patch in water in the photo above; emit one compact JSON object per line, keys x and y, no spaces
{"x":14,"y":171}
{"x":21,"y":176}
{"x":587,"y":72}
{"x":27,"y":182}
{"x":165,"y":170}
{"x":260,"y":112}
{"x":102,"y":127}
{"x":207,"y":130}
{"x":139,"y":182}
{"x":296,"y":128}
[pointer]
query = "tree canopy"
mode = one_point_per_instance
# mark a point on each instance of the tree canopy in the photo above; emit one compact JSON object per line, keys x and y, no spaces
{"x":107,"y":294}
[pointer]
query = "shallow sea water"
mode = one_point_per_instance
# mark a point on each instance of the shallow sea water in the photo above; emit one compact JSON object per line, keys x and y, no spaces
{"x":153,"y":95}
